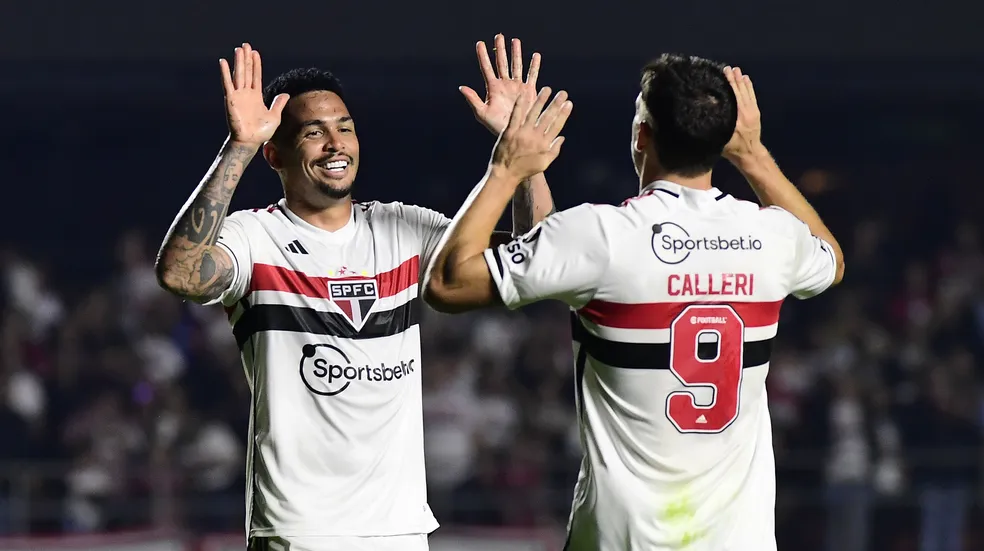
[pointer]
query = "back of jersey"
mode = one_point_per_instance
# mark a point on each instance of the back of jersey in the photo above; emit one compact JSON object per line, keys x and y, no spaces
{"x":675,"y":297}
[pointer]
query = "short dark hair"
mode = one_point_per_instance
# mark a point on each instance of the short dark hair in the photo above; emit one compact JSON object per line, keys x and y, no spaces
{"x":692,"y":110}
{"x":298,"y":81}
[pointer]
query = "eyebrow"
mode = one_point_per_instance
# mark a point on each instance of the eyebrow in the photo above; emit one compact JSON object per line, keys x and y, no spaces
{"x":320,"y":122}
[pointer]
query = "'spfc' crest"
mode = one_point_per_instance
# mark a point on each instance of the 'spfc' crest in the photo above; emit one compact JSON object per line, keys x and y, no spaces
{"x":354,"y":297}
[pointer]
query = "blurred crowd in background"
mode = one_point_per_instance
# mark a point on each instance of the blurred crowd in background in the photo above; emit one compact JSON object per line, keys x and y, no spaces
{"x":122,"y":407}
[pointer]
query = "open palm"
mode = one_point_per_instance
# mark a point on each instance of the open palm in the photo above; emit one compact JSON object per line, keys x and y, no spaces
{"x":502,"y":91}
{"x":748,"y":127}
{"x":531,"y":139}
{"x":250,"y":121}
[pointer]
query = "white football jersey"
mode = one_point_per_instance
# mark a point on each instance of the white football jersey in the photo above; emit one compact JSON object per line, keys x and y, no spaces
{"x":675,"y":297}
{"x":328,"y":327}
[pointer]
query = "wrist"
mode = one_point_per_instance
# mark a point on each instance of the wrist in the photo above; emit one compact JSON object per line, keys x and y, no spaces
{"x":750,"y":158}
{"x":246,"y":147}
{"x":502,"y":176}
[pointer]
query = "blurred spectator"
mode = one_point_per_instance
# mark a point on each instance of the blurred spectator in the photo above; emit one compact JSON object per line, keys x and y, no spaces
{"x":944,"y":437}
{"x":849,"y":466}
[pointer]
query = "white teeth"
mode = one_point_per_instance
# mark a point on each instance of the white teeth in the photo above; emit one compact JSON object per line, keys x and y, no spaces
{"x":335,"y":165}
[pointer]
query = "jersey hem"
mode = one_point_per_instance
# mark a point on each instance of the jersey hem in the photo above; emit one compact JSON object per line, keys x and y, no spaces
{"x":288,"y":533}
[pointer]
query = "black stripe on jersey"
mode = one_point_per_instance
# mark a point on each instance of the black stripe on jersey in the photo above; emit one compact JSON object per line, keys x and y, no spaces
{"x":278,"y":317}
{"x":498,"y":261}
{"x":677,"y":195}
{"x":722,"y":196}
{"x":649,"y":355}
{"x":579,"y":366}
{"x":292,"y":248}
{"x":300,"y":247}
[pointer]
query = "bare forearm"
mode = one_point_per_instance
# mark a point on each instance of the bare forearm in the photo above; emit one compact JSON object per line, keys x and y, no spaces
{"x":472,"y":229}
{"x":187,"y":263}
{"x":531,"y":203}
{"x":773,"y":189}
{"x":458,"y":278}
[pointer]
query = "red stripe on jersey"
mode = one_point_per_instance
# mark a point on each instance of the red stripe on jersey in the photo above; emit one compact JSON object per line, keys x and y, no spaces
{"x":399,"y":278}
{"x":659,"y":315}
{"x":267,"y":277}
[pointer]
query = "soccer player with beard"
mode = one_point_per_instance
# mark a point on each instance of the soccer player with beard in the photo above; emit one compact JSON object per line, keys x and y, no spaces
{"x":322,"y":293}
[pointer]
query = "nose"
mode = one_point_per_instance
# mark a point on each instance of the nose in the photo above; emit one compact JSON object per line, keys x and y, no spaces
{"x":333,"y":142}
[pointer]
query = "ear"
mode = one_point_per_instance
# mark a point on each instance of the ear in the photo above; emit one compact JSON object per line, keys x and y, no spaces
{"x":642,"y":136}
{"x":272,"y":156}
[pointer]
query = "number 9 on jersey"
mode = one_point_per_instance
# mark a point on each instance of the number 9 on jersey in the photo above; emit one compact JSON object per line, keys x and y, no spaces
{"x":696,"y":363}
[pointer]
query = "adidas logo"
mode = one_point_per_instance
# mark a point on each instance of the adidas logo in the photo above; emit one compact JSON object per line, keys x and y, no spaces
{"x":296,"y":247}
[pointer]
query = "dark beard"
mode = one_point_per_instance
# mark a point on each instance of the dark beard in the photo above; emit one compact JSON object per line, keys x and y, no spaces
{"x":334,"y":193}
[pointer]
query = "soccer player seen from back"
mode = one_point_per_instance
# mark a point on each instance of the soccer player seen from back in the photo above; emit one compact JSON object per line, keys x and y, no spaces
{"x":322,"y":294}
{"x":675,"y":298}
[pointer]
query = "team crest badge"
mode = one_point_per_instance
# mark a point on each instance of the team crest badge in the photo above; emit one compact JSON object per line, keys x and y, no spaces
{"x":354,"y":297}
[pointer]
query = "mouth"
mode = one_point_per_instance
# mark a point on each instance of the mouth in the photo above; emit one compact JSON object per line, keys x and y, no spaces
{"x":335,"y":168}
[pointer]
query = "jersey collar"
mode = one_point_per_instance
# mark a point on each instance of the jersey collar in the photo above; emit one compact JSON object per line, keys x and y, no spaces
{"x":676,"y":190}
{"x":340,"y":235}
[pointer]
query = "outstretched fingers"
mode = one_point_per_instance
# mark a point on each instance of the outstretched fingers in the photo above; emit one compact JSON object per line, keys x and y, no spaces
{"x":534,"y":71}
{"x":501,"y":59}
{"x":484,"y":63}
{"x":227,"y":85}
{"x":239,"y":69}
{"x":541,"y":101}
{"x":517,"y":59}
{"x":520,"y":110}
{"x":257,"y":71}
{"x":555,"y":117}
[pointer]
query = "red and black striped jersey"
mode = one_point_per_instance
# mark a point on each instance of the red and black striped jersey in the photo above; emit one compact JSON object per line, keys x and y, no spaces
{"x":327,"y":323}
{"x":675,"y":298}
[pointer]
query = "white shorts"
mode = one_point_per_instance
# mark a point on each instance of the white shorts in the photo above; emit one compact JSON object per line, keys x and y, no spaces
{"x":416,"y":542}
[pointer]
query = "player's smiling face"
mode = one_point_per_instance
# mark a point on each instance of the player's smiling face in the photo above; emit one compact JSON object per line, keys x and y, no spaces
{"x":320,"y":147}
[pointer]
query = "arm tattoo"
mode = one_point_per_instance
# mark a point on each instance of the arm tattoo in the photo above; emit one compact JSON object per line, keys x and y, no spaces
{"x":187,"y":264}
{"x":522,"y":208}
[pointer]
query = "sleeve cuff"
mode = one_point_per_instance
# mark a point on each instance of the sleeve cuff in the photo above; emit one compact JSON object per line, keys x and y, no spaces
{"x":502,"y":279}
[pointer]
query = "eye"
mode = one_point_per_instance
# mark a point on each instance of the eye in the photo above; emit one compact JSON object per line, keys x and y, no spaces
{"x":313,"y":134}
{"x":345,"y":130}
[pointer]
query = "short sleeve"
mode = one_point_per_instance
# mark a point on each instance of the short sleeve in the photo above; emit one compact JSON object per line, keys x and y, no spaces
{"x":234,"y":240}
{"x":563,"y":257}
{"x":430,"y":227}
{"x":815,"y":266}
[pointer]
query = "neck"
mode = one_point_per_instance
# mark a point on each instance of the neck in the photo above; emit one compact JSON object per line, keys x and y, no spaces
{"x":330,"y":217}
{"x":652,"y":174}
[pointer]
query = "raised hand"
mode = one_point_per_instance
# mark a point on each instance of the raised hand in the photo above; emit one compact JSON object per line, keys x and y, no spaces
{"x":532,"y":140}
{"x":748,"y":130}
{"x":251,"y":123}
{"x":502,"y":91}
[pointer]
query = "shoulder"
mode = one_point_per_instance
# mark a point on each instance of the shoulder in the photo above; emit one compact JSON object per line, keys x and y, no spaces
{"x":254,"y":218}
{"x":396,"y":208}
{"x":414,"y":215}
{"x":589,"y":217}
{"x":779,"y":220}
{"x":585,"y":224}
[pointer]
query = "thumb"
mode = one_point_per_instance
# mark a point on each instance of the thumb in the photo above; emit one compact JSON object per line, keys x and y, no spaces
{"x":472,"y":97}
{"x":279,"y":102}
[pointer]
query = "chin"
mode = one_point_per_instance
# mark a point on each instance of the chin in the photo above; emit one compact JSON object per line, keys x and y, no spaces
{"x":339,"y":190}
